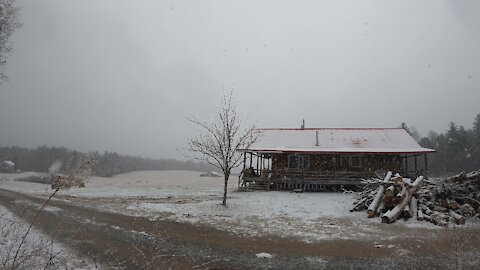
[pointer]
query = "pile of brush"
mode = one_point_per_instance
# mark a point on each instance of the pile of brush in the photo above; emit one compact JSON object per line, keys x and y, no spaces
{"x":436,"y":200}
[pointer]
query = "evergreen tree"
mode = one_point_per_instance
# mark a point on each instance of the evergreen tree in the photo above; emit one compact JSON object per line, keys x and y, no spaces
{"x":476,"y":142}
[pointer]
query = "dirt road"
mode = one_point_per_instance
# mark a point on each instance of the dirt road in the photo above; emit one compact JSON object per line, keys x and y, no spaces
{"x":126,"y":242}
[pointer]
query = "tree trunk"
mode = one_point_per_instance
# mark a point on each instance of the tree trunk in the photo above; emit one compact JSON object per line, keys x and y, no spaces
{"x":226,"y":175}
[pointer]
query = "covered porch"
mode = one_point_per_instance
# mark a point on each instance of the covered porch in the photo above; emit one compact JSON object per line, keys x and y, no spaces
{"x":324,"y":171}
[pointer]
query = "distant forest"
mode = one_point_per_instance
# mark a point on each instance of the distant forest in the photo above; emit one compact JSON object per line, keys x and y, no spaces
{"x":458,"y":148}
{"x":107,"y":164}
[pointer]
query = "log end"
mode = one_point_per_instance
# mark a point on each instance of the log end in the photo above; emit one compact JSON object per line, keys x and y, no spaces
{"x":385,"y":219}
{"x":460,"y":221}
{"x":407,"y":214}
{"x":453,"y":205}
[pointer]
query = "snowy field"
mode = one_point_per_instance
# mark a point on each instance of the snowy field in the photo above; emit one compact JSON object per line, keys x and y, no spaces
{"x":184,"y":196}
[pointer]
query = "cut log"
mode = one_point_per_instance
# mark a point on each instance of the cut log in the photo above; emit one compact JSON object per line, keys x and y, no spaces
{"x":443,"y":203}
{"x":439,"y":208}
{"x":413,"y":206}
{"x":452,"y":204}
{"x":473,"y":176}
{"x":457,"y":178}
{"x":426,"y":210}
{"x":459,"y":220}
{"x":376,"y":200}
{"x":392,"y":215}
{"x":417,"y":182}
{"x":388,"y":197}
{"x":359,"y":205}
{"x":380,"y":208}
{"x":400,"y":195}
{"x":420,"y":215}
{"x":407,"y":213}
{"x":430,"y":204}
{"x":387,"y":177}
{"x":399,"y":180}
{"x":467,"y":210}
{"x":389,"y":192}
{"x":439,"y":219}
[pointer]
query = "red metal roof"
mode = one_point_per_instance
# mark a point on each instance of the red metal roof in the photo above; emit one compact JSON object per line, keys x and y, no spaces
{"x":337,"y":140}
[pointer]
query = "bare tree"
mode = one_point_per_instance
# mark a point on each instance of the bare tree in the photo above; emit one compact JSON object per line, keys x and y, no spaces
{"x":8,"y":23}
{"x":221,"y":138}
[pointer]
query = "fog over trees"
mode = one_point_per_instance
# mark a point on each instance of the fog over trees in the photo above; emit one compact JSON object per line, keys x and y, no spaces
{"x":107,"y":164}
{"x":458,"y":148}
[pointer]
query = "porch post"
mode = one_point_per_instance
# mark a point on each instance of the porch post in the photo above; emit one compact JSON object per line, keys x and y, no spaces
{"x":416,"y":164}
{"x":334,"y":167}
{"x":244,"y":160}
{"x":251,"y":160}
{"x":406,"y":163}
{"x":426,"y":162}
{"x":258,"y":163}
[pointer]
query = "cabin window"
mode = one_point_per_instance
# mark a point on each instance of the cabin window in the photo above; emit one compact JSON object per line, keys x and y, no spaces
{"x":355,"y":161}
{"x":351,"y":161}
{"x":345,"y":161}
{"x":298,"y":162}
{"x":292,"y":162}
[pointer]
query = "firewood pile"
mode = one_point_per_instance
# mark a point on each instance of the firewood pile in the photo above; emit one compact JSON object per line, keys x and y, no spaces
{"x":438,"y":200}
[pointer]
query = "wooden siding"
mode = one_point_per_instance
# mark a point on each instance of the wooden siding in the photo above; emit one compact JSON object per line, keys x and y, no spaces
{"x":330,"y":162}
{"x":325,"y":171}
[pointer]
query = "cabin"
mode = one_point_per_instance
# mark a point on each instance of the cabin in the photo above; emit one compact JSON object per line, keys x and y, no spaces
{"x":315,"y":159}
{"x":7,"y":166}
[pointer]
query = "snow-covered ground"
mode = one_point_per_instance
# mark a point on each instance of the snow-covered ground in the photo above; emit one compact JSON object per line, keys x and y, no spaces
{"x":19,"y":176}
{"x":38,"y":250}
{"x":186,"y":197}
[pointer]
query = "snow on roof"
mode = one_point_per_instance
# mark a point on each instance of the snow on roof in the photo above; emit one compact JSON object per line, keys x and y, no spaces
{"x":337,"y":140}
{"x":9,"y":163}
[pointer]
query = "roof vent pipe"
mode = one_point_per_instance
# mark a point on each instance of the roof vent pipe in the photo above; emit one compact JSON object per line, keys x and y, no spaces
{"x":303,"y":124}
{"x":316,"y":137}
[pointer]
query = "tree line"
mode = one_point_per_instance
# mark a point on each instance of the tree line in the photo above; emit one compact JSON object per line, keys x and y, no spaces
{"x":458,"y":148}
{"x":107,"y":163}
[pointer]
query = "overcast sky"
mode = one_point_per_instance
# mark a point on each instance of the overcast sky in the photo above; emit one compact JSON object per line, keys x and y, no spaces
{"x":124,"y":75}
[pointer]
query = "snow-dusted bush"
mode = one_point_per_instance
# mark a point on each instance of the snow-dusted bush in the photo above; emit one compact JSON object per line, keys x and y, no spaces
{"x":21,"y":248}
{"x":37,"y":251}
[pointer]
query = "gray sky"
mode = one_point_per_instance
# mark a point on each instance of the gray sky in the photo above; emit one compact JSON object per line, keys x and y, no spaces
{"x":124,"y":75}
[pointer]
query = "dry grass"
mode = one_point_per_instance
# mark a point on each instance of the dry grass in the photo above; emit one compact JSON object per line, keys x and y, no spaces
{"x":21,"y":250}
